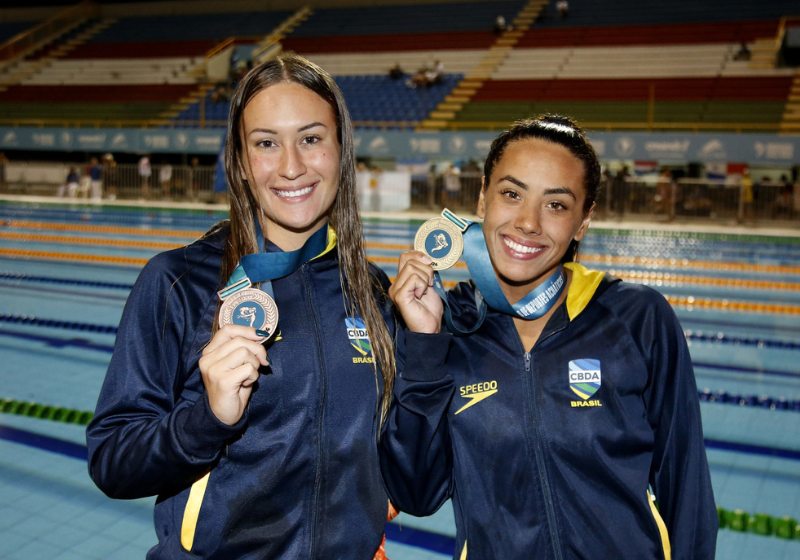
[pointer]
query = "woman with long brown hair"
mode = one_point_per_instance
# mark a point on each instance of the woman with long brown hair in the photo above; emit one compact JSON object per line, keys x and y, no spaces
{"x":251,"y":370}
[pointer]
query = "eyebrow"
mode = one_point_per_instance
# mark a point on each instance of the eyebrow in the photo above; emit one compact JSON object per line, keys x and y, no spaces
{"x":301,"y":129}
{"x":547,"y":192}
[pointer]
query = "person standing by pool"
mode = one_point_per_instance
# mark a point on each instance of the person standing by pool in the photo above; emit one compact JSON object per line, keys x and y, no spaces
{"x":556,"y":424}
{"x":260,"y":442}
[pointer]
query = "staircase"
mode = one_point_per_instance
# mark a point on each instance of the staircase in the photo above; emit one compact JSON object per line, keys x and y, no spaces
{"x":260,"y":54}
{"x":446,"y":111}
{"x":791,"y":113}
{"x":24,"y":69}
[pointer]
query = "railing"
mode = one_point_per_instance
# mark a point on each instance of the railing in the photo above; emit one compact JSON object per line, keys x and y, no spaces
{"x":120,"y":181}
{"x":685,"y":200}
{"x":786,"y":21}
{"x":57,"y":23}
{"x":649,"y":200}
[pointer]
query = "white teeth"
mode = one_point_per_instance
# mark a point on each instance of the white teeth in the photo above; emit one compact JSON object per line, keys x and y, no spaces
{"x":292,"y":194}
{"x":520,"y":248}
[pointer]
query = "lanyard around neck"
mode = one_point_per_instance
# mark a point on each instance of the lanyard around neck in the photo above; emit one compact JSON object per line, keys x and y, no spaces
{"x":532,"y":306}
{"x":266,"y":266}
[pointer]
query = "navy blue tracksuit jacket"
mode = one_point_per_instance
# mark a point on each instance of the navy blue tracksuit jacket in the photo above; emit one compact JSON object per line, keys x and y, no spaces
{"x":551,"y":454}
{"x":298,"y":476}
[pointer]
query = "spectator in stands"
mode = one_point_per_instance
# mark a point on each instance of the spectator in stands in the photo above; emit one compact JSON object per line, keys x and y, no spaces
{"x":165,"y":178}
{"x":663,"y":197}
{"x":435,"y":75}
{"x":743,"y":53}
{"x":748,"y":196}
{"x":562,"y":7}
{"x":619,"y":192}
{"x":70,"y":186}
{"x":419,"y":79}
{"x":110,"y":176}
{"x":452,"y":187}
{"x":96,"y":173}
{"x":194,"y":178}
{"x":254,"y":456}
{"x":500,"y":25}
{"x":396,"y":72}
{"x":3,"y":165}
{"x":782,"y":206}
{"x":144,"y":175}
{"x":222,"y":92}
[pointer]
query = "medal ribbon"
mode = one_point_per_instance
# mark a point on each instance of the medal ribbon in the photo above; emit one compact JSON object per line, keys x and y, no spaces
{"x":264,"y":267}
{"x":533,"y":306}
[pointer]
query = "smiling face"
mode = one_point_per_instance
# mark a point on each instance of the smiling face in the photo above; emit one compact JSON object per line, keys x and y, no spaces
{"x":291,"y":161}
{"x":532,"y":207}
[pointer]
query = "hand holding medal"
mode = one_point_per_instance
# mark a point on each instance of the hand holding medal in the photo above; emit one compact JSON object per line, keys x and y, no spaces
{"x":444,"y":239}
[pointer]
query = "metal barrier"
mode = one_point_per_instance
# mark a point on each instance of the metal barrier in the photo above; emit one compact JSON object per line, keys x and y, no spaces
{"x":640,"y":199}
{"x":122,"y":181}
{"x":697,"y":200}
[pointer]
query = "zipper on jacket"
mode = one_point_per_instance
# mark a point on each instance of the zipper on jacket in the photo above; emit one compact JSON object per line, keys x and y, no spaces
{"x":543,"y":478}
{"x":318,"y":478}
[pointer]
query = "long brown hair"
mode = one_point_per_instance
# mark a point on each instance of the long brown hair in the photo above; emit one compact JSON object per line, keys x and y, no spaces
{"x":357,"y":282}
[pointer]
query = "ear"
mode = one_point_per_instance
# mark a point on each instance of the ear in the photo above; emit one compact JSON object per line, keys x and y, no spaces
{"x":585,"y":224}
{"x":481,"y":212}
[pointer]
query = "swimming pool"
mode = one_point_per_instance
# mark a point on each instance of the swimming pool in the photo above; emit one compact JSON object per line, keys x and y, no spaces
{"x":65,"y":272}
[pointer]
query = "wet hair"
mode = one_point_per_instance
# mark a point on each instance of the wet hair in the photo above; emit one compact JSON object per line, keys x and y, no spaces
{"x":558,"y":130}
{"x":358,"y":283}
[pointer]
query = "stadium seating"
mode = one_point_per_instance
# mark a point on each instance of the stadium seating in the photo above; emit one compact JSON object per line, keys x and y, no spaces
{"x":606,"y":63}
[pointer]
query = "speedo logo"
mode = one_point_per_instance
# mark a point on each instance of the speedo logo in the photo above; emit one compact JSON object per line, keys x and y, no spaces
{"x":359,"y":339}
{"x":476,"y":393}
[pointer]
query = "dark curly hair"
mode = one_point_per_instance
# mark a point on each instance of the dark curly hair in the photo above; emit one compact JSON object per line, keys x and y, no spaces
{"x":558,"y":130}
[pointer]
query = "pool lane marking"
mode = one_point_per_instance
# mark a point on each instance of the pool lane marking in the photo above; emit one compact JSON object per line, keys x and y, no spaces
{"x":55,"y":256}
{"x":103,"y":229}
{"x":90,"y":241}
{"x":689,"y":302}
{"x":599,"y":258}
{"x":689,"y":263}
{"x":637,"y":275}
{"x":670,"y":277}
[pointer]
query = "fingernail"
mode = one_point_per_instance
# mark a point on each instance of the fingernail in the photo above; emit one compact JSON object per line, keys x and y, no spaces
{"x":269,"y":362}
{"x":262,"y":333}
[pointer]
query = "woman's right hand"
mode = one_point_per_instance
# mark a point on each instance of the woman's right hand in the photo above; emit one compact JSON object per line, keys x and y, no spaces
{"x":413,"y":293}
{"x":229,"y":366}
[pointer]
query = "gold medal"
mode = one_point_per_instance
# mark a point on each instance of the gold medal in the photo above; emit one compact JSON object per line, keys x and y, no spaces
{"x":441,"y":240}
{"x":250,"y":308}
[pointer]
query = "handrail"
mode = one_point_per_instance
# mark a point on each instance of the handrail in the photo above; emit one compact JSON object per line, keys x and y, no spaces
{"x":782,"y":29}
{"x":55,"y":23}
{"x":216,"y":49}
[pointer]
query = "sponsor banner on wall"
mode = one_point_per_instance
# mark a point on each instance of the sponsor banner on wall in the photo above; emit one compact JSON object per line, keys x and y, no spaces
{"x":118,"y":140}
{"x":461,"y":146}
{"x":640,"y":146}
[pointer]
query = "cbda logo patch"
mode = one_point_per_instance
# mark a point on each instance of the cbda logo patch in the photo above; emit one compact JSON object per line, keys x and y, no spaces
{"x":584,"y":377}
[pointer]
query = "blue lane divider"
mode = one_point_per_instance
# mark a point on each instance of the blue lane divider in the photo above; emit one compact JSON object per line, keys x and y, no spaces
{"x":749,"y":370}
{"x":753,"y":449}
{"x":60,"y":342}
{"x":56,"y":324}
{"x":717,"y":324}
{"x":765,"y":402}
{"x":70,"y":282}
{"x":721,"y":338}
{"x":435,"y":542}
{"x":47,"y":443}
{"x":427,"y":540}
